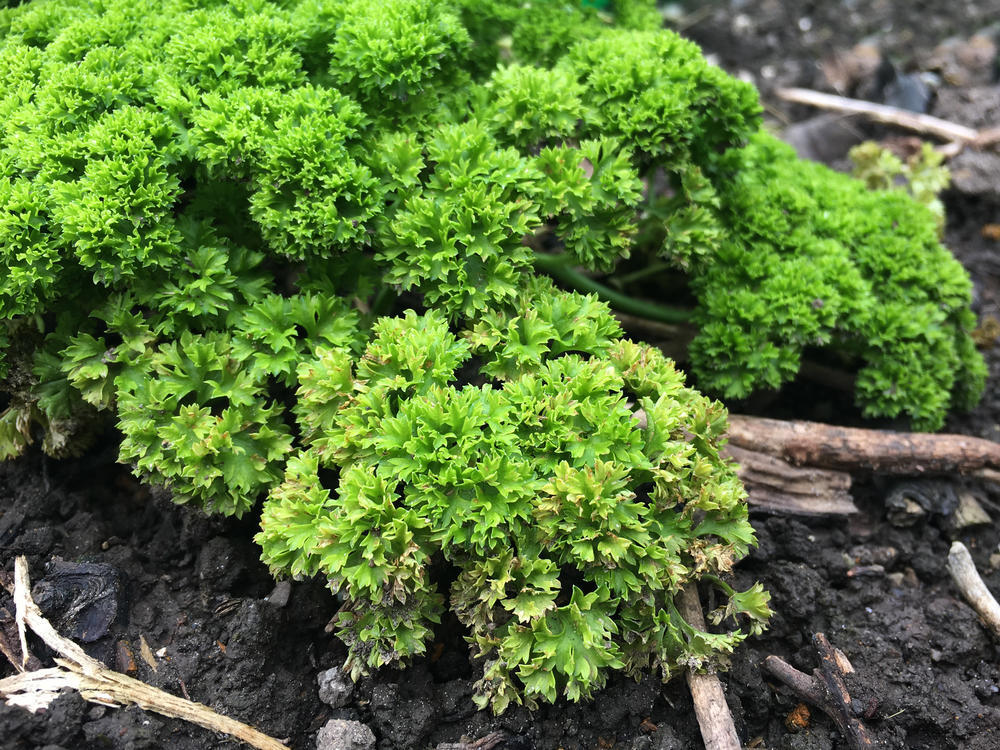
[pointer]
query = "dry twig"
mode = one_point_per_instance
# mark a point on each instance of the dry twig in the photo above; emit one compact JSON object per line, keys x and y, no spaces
{"x":970,"y":583}
{"x":825,"y":689}
{"x":851,"y":448}
{"x":949,"y":131}
{"x":35,"y":690}
{"x":714,"y":718}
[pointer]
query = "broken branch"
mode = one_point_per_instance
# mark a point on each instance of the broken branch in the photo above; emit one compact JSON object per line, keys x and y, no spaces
{"x":825,"y":689}
{"x":714,"y":718}
{"x":98,"y":684}
{"x":970,"y":583}
{"x":847,"y":448}
{"x":949,"y":131}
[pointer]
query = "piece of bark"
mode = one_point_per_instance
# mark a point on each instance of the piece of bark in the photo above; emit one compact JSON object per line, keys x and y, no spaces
{"x":852,"y":448}
{"x":825,"y":689}
{"x":775,"y":486}
{"x":970,"y":583}
{"x":710,"y":707}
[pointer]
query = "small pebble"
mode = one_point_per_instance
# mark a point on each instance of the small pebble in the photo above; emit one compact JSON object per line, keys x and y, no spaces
{"x":872,"y":554}
{"x":338,"y":734}
{"x":335,"y":687}
{"x":281,"y":593}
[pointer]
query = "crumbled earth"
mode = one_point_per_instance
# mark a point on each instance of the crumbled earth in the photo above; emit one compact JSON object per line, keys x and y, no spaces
{"x":181,"y":600}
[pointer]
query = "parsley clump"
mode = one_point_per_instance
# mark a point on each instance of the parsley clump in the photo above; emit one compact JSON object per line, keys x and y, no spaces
{"x":298,"y":252}
{"x":515,"y":452}
{"x":814,"y":259}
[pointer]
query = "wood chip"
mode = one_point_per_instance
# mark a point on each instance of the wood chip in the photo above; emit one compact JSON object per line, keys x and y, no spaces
{"x":147,"y":653}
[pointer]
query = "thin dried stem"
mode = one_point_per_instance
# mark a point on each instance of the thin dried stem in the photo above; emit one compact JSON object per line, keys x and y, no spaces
{"x":98,"y":684}
{"x":949,"y":131}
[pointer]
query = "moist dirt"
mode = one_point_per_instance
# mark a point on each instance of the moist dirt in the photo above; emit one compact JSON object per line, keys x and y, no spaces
{"x":181,"y":600}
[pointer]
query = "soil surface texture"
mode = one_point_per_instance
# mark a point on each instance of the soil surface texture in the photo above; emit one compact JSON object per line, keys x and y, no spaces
{"x":181,"y":600}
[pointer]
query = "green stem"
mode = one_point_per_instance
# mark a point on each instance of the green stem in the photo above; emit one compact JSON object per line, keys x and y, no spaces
{"x":560,"y":267}
{"x":382,"y":303}
{"x":642,"y":273}
{"x":729,"y":590}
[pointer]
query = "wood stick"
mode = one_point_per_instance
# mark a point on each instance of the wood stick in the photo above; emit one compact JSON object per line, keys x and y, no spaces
{"x":804,"y":686}
{"x":970,"y":583}
{"x":825,"y":689}
{"x":987,"y":137}
{"x":714,"y":718}
{"x":920,"y":123}
{"x":851,"y":448}
{"x":98,"y":684}
{"x":775,"y":486}
{"x":833,"y":680}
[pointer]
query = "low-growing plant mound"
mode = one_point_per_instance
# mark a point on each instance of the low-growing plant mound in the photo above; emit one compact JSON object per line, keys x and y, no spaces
{"x":295,"y":250}
{"x":515,"y":454}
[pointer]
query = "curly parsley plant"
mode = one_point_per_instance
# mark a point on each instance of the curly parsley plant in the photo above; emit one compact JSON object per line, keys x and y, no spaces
{"x":515,"y":452}
{"x":300,"y":253}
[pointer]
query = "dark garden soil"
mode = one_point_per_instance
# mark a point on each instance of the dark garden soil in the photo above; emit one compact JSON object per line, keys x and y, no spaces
{"x":181,"y":600}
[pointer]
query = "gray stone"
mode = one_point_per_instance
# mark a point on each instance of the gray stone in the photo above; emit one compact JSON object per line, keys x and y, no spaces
{"x":280,"y":594}
{"x":338,"y":734}
{"x":335,"y":687}
{"x":974,"y":172}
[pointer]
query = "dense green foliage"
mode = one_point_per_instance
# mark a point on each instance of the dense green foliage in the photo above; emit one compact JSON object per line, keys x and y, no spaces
{"x":568,"y":523}
{"x":814,"y":259}
{"x":293,"y":248}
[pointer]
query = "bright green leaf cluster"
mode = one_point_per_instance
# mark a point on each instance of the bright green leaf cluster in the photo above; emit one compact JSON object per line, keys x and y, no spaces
{"x":923,"y":174}
{"x":200,"y":423}
{"x":319,"y":131}
{"x":563,"y":509}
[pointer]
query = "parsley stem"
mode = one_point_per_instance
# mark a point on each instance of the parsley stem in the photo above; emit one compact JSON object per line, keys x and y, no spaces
{"x":641,"y":273}
{"x":561,"y":268}
{"x":382,"y":304}
{"x":729,"y":590}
